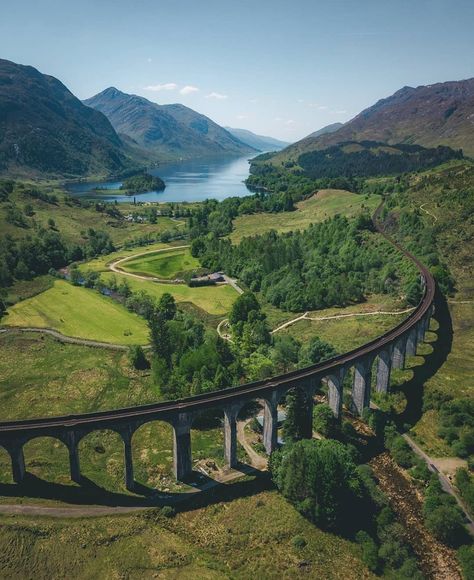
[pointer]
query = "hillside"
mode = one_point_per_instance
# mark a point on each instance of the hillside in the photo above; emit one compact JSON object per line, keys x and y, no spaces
{"x":258,"y":142}
{"x":432,"y":115}
{"x":169,"y":131}
{"x":45,"y":129}
{"x":327,"y":129}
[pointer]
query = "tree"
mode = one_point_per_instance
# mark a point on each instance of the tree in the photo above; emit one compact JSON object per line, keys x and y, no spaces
{"x":319,"y":478}
{"x":315,"y":351}
{"x":137,"y":358}
{"x":324,"y":421}
{"x":167,"y":306}
{"x":446,"y":523}
{"x":245,"y":303}
{"x":298,"y":422}
{"x":160,"y":337}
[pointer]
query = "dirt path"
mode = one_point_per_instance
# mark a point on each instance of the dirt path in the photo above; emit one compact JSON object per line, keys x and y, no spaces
{"x":428,"y":212}
{"x":306,"y":316}
{"x":436,"y":560}
{"x":256,"y":460}
{"x":67,"y":339}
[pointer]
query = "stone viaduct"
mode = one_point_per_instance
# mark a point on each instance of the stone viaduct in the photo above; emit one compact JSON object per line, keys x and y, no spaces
{"x":381,"y":354}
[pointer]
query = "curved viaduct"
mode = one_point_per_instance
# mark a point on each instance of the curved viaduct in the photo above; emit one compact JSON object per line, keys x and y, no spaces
{"x":389,"y":351}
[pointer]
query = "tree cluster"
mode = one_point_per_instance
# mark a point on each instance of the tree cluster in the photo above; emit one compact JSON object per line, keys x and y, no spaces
{"x":333,"y":263}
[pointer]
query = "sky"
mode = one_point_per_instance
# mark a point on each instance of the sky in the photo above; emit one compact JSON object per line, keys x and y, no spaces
{"x":278,"y":68}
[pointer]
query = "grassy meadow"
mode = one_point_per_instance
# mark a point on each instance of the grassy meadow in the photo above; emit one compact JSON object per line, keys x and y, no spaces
{"x":323,"y":205}
{"x":225,"y":539}
{"x":79,"y":312}
{"x":167,"y":265}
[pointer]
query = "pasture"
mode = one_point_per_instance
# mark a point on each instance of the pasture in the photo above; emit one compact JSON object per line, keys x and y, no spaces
{"x":323,"y":205}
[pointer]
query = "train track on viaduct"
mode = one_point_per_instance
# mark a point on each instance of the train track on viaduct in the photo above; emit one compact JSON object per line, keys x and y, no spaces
{"x":376,"y":357}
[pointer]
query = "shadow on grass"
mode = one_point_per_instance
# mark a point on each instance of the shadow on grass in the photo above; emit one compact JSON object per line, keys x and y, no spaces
{"x":88,"y":493}
{"x":413,"y":388}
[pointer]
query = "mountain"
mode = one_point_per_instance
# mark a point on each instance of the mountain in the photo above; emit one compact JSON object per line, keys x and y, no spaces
{"x":169,"y":131}
{"x":327,"y":129}
{"x":432,"y":115}
{"x":258,"y":142}
{"x":45,"y":129}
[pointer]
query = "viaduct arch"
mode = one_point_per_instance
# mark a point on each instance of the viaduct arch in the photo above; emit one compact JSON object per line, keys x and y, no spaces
{"x":389,"y":350}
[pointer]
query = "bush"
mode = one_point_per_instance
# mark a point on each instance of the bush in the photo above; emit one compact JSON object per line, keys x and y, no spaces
{"x":446,"y":523}
{"x":465,"y":484}
{"x":168,"y":512}
{"x":137,"y":358}
{"x":320,"y":479}
{"x":466,"y":559}
{"x":298,"y":542}
{"x":324,"y":421}
{"x":369,"y":550}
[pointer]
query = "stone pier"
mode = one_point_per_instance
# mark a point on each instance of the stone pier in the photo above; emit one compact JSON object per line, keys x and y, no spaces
{"x":230,"y":436}
{"x":182,"y":457}
{"x":398,"y":356}
{"x":128,"y":458}
{"x":361,"y":385}
{"x":410,"y":349}
{"x":18,"y":463}
{"x":74,"y":462}
{"x":384,"y":368}
{"x":270,"y":424}
{"x":335,"y":391}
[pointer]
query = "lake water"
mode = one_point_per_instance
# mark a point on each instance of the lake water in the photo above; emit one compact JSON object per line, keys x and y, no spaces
{"x":186,"y":181}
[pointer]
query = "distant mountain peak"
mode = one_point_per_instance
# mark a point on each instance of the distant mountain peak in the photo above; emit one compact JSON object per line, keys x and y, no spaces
{"x":168,"y":131}
{"x":428,"y":115}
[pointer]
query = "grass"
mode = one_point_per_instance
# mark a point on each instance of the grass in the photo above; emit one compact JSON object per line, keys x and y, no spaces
{"x":216,"y":300}
{"x":167,"y":265}
{"x":100,"y":264}
{"x":79,"y":312}
{"x":323,"y":205}
{"x":72,"y":221}
{"x":226,"y":539}
{"x":344,"y":333}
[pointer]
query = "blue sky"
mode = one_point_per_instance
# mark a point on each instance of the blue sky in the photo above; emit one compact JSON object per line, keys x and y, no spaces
{"x":275,"y":67}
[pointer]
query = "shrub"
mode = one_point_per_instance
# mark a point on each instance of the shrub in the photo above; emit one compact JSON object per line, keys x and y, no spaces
{"x":137,"y":358}
{"x":324,"y":421}
{"x":446,"y":523}
{"x":298,"y":542}
{"x":369,"y":550}
{"x":466,"y":559}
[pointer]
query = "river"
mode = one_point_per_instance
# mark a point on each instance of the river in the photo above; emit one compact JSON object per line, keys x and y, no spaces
{"x":195,"y":180}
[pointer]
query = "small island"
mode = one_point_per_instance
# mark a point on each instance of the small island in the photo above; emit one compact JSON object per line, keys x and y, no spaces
{"x":142,"y":183}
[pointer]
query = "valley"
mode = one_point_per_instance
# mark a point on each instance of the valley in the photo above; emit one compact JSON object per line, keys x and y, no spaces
{"x":236,"y":316}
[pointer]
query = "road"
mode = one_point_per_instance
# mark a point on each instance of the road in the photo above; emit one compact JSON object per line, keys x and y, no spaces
{"x":445,"y":483}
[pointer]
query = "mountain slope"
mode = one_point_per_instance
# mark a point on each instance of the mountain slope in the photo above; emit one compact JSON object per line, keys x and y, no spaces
{"x":258,"y":142}
{"x":432,"y":115}
{"x":170,"y":131}
{"x":332,"y":128}
{"x":45,"y":129}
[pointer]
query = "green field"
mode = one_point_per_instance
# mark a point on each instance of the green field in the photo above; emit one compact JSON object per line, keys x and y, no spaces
{"x":216,"y":300}
{"x":226,"y":539}
{"x":167,"y":265}
{"x":323,"y":205}
{"x":81,"y":313}
{"x":100,"y":264}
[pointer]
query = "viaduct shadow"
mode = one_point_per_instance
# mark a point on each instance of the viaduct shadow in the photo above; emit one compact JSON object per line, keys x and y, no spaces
{"x":413,"y":388}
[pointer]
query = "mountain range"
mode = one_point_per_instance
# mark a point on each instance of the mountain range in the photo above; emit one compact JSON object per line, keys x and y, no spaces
{"x":45,"y":129}
{"x":258,"y":142}
{"x":169,"y":131}
{"x":431,"y":115}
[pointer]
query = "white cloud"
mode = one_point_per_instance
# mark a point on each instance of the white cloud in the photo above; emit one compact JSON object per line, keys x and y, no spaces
{"x":278,"y":119}
{"x":218,"y":96}
{"x":241,"y":117}
{"x":289,"y":122}
{"x":342,"y":112}
{"x":323,"y":108}
{"x":163,"y":87}
{"x":188,"y":89}
{"x":302,"y":101}
{"x":253,"y":100}
{"x":148,"y":59}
